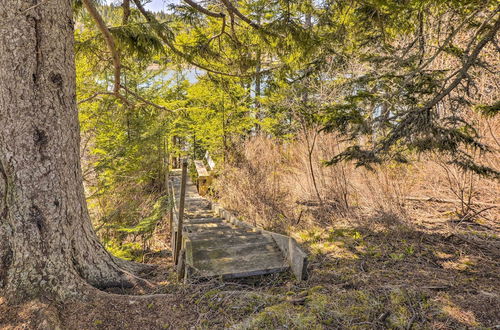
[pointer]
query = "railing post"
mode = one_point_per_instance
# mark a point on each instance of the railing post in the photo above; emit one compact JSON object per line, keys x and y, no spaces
{"x":171,"y":192}
{"x":178,"y":239}
{"x":168,"y":189}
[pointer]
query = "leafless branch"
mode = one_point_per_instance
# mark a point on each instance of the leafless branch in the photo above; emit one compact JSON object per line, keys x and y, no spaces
{"x":462,"y":72}
{"x":33,"y":7}
{"x":222,"y":31}
{"x":211,"y":14}
{"x":137,"y":96}
{"x":126,"y":11}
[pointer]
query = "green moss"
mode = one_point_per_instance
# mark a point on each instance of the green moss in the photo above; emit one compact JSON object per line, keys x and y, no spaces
{"x":128,"y":251}
{"x":284,"y":315}
{"x":335,"y":234}
{"x":207,"y":296}
{"x":316,"y":288}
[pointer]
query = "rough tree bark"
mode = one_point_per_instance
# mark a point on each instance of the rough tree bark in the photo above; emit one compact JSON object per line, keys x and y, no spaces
{"x":47,"y":244}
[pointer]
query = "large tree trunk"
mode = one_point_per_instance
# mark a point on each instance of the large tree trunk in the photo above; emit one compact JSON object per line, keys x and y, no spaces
{"x":47,"y":244}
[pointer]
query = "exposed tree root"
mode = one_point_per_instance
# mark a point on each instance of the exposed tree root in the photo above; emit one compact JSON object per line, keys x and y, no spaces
{"x":133,"y":267}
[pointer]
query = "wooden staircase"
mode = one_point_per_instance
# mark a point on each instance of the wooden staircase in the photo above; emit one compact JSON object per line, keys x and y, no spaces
{"x":216,"y":244}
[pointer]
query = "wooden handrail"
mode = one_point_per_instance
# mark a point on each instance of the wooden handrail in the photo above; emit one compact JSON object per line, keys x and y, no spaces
{"x":210,"y":161}
{"x":204,"y":179}
{"x":178,"y":239}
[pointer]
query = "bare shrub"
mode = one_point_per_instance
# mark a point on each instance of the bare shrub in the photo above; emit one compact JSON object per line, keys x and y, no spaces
{"x":275,"y":185}
{"x":254,"y":183}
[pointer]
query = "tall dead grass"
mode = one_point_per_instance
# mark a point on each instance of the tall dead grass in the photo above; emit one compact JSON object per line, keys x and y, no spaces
{"x":273,"y":184}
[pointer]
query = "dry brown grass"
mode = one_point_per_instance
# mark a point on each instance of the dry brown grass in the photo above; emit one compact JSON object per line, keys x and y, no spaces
{"x":271,"y":184}
{"x":404,"y":246}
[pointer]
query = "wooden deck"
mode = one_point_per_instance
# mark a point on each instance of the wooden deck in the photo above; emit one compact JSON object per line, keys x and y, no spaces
{"x":215,"y":244}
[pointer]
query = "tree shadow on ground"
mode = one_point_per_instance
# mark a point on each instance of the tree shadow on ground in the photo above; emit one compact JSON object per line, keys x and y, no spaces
{"x":380,"y":272}
{"x":408,"y":276}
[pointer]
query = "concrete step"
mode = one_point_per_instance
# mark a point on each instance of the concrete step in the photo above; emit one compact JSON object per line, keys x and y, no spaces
{"x":241,"y":266}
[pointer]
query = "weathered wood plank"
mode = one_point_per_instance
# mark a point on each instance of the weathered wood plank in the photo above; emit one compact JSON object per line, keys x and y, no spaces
{"x":241,"y":266}
{"x":216,"y":243}
{"x":296,"y":257}
{"x":200,"y":168}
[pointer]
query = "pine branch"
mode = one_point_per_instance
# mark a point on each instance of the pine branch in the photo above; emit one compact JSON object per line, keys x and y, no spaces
{"x":204,"y":10}
{"x":159,"y":31}
{"x":230,"y":7}
{"x":144,"y":100}
{"x":109,"y":41}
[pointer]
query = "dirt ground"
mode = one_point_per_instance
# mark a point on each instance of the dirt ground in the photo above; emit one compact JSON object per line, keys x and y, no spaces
{"x":375,"y":273}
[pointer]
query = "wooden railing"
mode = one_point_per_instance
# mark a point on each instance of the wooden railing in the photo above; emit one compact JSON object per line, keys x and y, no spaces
{"x":296,"y":257}
{"x":177,"y":214}
{"x":204,"y":179}
{"x":182,"y":245}
{"x":204,"y":176}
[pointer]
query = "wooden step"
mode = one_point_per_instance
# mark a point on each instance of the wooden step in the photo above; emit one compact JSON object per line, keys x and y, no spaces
{"x":203,"y":220}
{"x":235,"y":251}
{"x":198,"y":214}
{"x":218,"y":247}
{"x":241,"y":266}
{"x":210,"y":227}
{"x":218,"y":233}
{"x":200,"y":217}
{"x":194,"y":228}
{"x":210,"y":243}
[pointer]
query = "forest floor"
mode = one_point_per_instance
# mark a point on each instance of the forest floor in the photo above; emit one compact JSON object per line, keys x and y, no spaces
{"x":380,"y":272}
